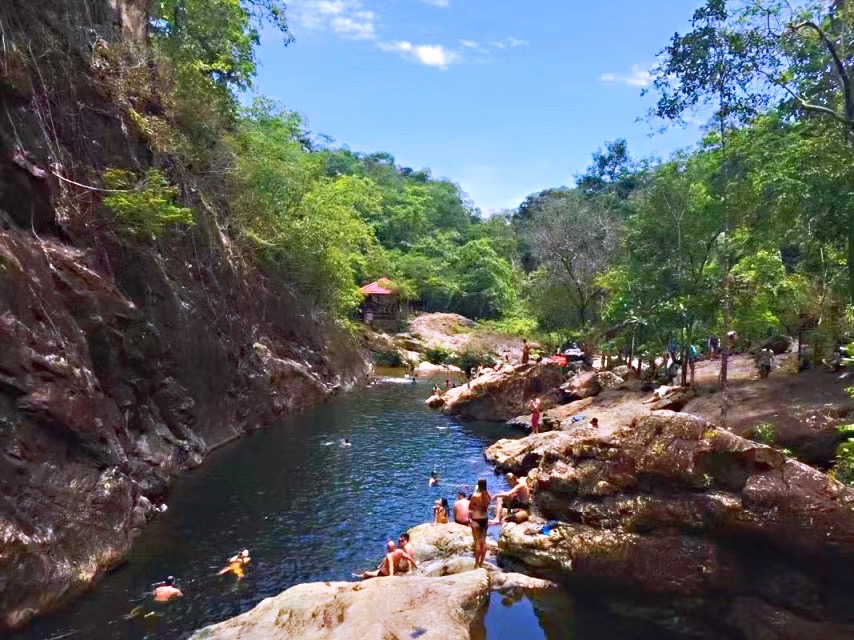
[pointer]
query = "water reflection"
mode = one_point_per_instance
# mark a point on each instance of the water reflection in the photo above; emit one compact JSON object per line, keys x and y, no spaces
{"x":308,"y":509}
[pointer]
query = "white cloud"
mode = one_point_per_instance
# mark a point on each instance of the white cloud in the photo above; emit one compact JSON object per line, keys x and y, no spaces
{"x":509,"y":42}
{"x":350,"y":19}
{"x":347,"y":18}
{"x":639,"y":76}
{"x":470,"y":44}
{"x":432,"y":55}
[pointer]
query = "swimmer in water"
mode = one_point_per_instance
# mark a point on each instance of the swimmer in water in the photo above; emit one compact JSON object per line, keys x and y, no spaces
{"x":235,"y":565}
{"x":346,"y":442}
{"x":434,"y":479}
{"x":167,"y":591}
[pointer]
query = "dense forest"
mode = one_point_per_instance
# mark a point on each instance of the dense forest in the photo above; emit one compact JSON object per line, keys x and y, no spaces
{"x":751,"y":230}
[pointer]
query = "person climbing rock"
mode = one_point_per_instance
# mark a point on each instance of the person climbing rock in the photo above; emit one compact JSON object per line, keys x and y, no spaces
{"x":166,"y":591}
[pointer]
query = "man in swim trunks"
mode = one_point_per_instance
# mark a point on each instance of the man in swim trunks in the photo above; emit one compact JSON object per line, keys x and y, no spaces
{"x":391,"y":564}
{"x":235,"y":565}
{"x":461,"y":509}
{"x":518,"y":497}
{"x":405,"y":554}
{"x":167,"y":591}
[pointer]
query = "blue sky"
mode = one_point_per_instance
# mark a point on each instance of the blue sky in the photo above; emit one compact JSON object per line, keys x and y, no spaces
{"x":505,"y":97}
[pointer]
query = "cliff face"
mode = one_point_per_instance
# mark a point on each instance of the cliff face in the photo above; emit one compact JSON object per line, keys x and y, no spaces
{"x":121,"y":362}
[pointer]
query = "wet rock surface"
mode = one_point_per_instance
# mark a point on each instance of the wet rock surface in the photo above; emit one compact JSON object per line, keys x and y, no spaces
{"x":671,"y":505}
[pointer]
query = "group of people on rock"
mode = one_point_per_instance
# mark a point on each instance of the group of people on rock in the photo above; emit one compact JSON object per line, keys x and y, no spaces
{"x":399,"y":559}
{"x":470,"y":510}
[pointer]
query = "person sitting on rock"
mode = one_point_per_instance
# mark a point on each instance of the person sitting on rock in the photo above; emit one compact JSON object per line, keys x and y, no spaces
{"x":167,"y":591}
{"x":518,"y":497}
{"x":461,"y":509}
{"x":440,"y":511}
{"x":594,"y":422}
{"x":386,"y":567}
{"x":235,"y":565}
{"x":405,"y":553}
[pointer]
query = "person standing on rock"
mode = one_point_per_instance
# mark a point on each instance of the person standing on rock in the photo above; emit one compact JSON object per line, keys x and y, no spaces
{"x":517,"y":498}
{"x":461,"y":509}
{"x":526,"y":352}
{"x":479,"y":514}
{"x":535,"y":416}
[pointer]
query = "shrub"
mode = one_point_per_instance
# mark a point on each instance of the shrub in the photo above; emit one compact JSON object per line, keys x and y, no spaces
{"x":438,"y":355}
{"x":843,"y":470}
{"x":472,"y":359}
{"x":146,"y":207}
{"x":389,"y":359}
{"x":764,"y":433}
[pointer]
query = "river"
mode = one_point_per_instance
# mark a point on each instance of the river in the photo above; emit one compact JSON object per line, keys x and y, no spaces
{"x":309,"y":510}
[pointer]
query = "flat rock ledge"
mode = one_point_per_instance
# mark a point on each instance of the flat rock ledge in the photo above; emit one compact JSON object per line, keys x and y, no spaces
{"x":406,"y":607}
{"x":443,"y":600}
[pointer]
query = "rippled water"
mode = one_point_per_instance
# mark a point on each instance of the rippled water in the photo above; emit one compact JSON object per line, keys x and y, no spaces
{"x":307,"y":508}
{"x":311,"y":510}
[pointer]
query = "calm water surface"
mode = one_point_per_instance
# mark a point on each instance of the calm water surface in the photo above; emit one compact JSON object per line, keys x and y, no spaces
{"x":310,"y":510}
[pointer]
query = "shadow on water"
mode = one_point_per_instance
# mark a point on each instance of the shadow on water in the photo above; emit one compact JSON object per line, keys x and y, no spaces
{"x":308,"y":508}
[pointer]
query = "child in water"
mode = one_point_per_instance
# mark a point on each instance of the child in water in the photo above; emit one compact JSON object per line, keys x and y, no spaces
{"x":235,"y":565}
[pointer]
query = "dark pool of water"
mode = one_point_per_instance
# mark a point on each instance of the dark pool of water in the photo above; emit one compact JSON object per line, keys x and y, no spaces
{"x":307,"y":508}
{"x":311,"y":510}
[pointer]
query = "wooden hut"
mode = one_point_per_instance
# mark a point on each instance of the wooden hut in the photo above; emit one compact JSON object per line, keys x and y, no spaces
{"x":381,"y":308}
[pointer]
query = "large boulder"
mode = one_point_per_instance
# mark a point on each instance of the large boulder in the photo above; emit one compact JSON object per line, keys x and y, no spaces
{"x":672,"y":505}
{"x":583,"y":385}
{"x":520,"y":455}
{"x":440,"y":541}
{"x":396,"y":607}
{"x":501,"y":395}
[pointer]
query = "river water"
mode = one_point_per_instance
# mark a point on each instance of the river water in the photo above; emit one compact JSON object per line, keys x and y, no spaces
{"x":309,"y":510}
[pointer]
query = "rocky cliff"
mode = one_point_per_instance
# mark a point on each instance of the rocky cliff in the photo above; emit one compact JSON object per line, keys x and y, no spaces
{"x":122,"y":361}
{"x":694,"y":518}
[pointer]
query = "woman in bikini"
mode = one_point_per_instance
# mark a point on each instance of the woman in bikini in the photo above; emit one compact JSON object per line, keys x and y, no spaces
{"x":440,"y":511}
{"x":478,"y":513}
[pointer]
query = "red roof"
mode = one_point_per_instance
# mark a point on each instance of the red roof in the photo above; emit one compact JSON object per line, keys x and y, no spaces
{"x":378,"y":288}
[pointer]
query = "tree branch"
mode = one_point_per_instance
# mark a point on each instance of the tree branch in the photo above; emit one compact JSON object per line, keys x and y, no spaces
{"x":842,"y":76}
